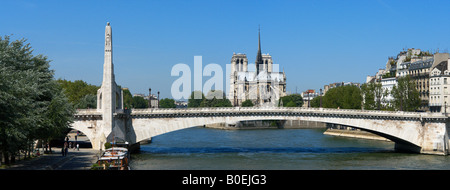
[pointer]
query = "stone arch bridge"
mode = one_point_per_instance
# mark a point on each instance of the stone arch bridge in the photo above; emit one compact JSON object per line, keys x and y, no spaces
{"x":418,"y":132}
{"x":411,"y":131}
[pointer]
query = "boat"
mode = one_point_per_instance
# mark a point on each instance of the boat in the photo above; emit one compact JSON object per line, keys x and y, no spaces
{"x":115,"y":158}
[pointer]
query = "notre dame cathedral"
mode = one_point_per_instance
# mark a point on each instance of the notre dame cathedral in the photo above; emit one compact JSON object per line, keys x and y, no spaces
{"x":264,"y":86}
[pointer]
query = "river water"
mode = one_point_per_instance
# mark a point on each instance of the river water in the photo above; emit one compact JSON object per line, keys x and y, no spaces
{"x":274,"y":149}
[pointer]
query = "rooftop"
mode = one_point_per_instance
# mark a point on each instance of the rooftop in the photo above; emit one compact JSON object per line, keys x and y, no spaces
{"x":421,"y":64}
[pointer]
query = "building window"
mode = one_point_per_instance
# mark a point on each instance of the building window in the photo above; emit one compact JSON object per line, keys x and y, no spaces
{"x":445,"y":80}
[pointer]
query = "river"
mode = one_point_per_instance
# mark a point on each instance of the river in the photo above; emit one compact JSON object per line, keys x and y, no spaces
{"x":274,"y":149}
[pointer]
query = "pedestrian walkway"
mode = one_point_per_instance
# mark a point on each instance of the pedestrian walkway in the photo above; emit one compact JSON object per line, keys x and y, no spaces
{"x":75,"y":160}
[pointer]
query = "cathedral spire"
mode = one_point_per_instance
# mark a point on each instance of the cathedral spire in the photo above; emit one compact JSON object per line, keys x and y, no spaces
{"x":259,"y":61}
{"x":259,"y":41}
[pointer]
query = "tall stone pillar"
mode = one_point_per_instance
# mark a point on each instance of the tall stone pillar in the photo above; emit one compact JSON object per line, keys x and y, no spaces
{"x":109,"y":96}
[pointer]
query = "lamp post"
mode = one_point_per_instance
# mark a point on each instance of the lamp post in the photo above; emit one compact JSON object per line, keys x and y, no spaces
{"x":308,"y":99}
{"x":158,"y":99}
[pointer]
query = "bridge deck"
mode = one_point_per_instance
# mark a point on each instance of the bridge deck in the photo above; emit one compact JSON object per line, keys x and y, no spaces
{"x":296,"y":111}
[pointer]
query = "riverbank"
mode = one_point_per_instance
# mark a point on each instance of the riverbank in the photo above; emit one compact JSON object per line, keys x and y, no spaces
{"x":353,"y":134}
{"x":75,"y":160}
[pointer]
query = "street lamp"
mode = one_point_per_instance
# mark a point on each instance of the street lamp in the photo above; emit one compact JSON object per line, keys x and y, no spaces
{"x":149,"y":98}
{"x":308,"y":99}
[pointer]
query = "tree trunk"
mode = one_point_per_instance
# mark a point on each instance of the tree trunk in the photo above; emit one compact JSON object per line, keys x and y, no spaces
{"x":6,"y":157}
{"x":49,"y":147}
{"x":13,"y":158}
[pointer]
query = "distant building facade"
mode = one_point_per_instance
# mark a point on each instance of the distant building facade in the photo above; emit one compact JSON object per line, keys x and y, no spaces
{"x":416,"y":64}
{"x":439,"y":89}
{"x":153,"y":103}
{"x":307,"y":96}
{"x":387,"y":84}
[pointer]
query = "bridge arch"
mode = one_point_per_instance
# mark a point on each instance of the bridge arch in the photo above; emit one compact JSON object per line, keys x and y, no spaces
{"x":400,"y":144}
{"x":149,"y":125}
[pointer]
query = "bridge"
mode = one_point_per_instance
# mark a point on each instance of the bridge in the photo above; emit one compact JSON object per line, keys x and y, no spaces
{"x":419,"y":132}
{"x":411,"y":131}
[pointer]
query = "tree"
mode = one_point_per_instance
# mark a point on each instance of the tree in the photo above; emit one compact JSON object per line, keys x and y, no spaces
{"x":167,"y":103}
{"x":77,"y":90}
{"x":406,"y":96}
{"x":32,"y":105}
{"x":315,"y":102}
{"x":215,"y":98}
{"x":367,"y":92}
{"x":58,"y":116}
{"x":194,"y":102}
{"x":247,"y":103}
{"x":373,"y":93}
{"x":291,"y":104}
{"x":127,"y":99}
{"x":344,"y":97}
{"x":296,"y":99}
{"x":139,"y":102}
{"x":88,"y":101}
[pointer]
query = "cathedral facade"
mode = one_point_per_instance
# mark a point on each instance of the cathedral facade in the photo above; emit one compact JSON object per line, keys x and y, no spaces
{"x":263,"y":86}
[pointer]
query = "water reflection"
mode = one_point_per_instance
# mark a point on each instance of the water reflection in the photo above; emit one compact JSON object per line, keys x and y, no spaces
{"x":174,"y":150}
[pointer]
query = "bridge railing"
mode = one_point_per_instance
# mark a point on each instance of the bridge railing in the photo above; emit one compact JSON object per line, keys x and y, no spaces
{"x":87,"y":112}
{"x":278,"y":109}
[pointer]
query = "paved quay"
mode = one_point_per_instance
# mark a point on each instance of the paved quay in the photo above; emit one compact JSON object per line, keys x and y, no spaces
{"x":75,"y":160}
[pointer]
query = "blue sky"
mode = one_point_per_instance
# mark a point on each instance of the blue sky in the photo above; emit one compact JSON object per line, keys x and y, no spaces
{"x":316,"y":42}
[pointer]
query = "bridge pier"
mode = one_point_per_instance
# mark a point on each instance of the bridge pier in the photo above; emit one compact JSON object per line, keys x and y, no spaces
{"x":432,"y":139}
{"x":435,"y":137}
{"x":407,"y":147}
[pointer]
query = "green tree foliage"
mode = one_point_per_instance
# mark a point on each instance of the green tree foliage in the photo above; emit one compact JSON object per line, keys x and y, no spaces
{"x":215,"y":98}
{"x":32,"y":104}
{"x":315,"y":102}
{"x":59,"y":114}
{"x":77,"y":90}
{"x":139,"y":102}
{"x":167,"y":103}
{"x":344,"y":97}
{"x":247,"y":103}
{"x":130,"y":101}
{"x":291,"y":104}
{"x":293,"y":100}
{"x":87,"y":101}
{"x":373,"y":93}
{"x":405,"y":94}
{"x":194,"y":102}
{"x":127,"y":99}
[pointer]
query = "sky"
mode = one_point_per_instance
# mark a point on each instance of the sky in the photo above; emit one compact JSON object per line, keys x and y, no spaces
{"x":315,"y":42}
